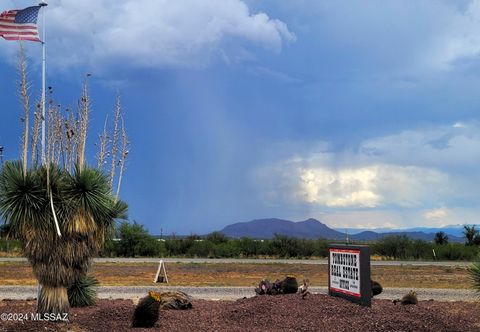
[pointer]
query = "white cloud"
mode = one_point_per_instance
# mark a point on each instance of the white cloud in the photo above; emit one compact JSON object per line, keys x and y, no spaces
{"x":436,"y":213}
{"x":155,"y":33}
{"x":370,"y":186}
{"x":339,"y":187}
{"x":461,"y":40}
{"x":394,"y":218}
{"x":442,"y":147}
{"x":418,"y":169}
{"x":438,"y":36}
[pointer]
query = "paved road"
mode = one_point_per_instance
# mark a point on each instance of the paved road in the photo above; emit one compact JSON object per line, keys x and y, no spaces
{"x":253,"y":261}
{"x":233,"y":293}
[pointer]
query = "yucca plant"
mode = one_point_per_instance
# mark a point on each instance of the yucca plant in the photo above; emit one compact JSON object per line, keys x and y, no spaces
{"x":474,"y":275}
{"x":82,"y":293}
{"x":61,"y":210}
{"x":85,"y":209}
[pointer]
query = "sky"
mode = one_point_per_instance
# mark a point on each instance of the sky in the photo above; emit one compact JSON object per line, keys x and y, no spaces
{"x":357,"y":113}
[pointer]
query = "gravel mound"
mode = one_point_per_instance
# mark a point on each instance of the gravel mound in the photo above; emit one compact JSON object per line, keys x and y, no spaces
{"x":265,"y":313}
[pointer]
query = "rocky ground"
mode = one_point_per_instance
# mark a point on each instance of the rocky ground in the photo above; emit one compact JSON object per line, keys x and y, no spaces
{"x":264,"y":313}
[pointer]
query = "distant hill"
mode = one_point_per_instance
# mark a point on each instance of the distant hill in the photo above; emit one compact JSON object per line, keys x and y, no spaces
{"x":455,"y":232}
{"x":314,"y":229}
{"x":372,"y":236}
{"x":267,"y":228}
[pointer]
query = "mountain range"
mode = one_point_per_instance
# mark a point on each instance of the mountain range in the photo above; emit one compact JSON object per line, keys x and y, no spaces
{"x":314,"y":229}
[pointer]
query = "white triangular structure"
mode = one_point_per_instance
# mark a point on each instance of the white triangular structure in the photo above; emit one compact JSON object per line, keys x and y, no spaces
{"x":161,"y":275}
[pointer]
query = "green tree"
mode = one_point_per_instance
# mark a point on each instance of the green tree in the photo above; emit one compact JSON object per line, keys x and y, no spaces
{"x":441,"y":238}
{"x":471,"y":234}
{"x":284,"y":246}
{"x":4,"y":233}
{"x":395,"y":246}
{"x":217,"y":237}
{"x":135,"y":240}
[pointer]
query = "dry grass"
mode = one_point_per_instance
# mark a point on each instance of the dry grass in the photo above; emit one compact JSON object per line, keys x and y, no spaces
{"x":228,"y":274}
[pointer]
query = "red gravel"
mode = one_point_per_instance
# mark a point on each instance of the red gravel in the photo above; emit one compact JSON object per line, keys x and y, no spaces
{"x":264,"y":313}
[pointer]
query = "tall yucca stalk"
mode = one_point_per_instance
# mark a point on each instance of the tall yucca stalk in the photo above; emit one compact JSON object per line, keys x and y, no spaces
{"x":37,"y":122}
{"x":23,"y":88}
{"x":123,"y":157}
{"x":83,"y":115}
{"x":115,"y":138}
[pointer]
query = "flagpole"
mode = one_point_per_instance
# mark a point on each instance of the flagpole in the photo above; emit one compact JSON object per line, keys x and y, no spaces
{"x":44,"y":161}
{"x":43,"y":4}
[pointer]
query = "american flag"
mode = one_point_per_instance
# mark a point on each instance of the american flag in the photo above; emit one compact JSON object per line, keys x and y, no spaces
{"x":20,"y":24}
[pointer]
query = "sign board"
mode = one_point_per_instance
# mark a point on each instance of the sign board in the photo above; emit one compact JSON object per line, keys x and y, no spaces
{"x":161,"y":275}
{"x":349,"y":273}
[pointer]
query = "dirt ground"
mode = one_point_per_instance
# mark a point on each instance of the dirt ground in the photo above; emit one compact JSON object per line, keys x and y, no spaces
{"x":263,"y":313}
{"x":229,"y":274}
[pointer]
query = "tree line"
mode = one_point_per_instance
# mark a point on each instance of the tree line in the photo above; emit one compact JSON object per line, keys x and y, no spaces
{"x":132,"y":239}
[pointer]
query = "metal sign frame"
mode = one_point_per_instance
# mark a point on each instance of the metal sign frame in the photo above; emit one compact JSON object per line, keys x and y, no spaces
{"x":365,"y":296}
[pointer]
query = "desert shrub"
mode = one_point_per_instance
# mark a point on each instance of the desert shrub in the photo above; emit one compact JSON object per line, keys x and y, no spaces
{"x":419,"y":249}
{"x":10,"y":245}
{"x":217,"y":238}
{"x":306,"y":248}
{"x":178,"y":247}
{"x":149,"y":247}
{"x":82,"y":293}
{"x":456,"y":251}
{"x":227,"y":249}
{"x":248,"y":247}
{"x":284,"y":246}
{"x":201,"y":249}
{"x":395,"y":246}
{"x":320,"y":248}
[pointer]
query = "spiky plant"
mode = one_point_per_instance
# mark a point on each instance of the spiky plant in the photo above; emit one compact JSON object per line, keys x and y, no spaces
{"x":82,"y":293}
{"x":61,"y":210}
{"x":85,"y":208}
{"x":376,"y":288}
{"x":290,"y":285}
{"x":474,"y":275}
{"x":410,"y":298}
{"x":146,"y":313}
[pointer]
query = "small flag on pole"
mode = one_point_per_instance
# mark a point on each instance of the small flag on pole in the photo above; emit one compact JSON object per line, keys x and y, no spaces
{"x":20,"y":24}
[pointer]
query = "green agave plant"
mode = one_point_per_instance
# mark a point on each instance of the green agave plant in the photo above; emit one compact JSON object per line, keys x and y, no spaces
{"x":82,"y":293}
{"x":474,"y":274}
{"x":81,"y":203}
